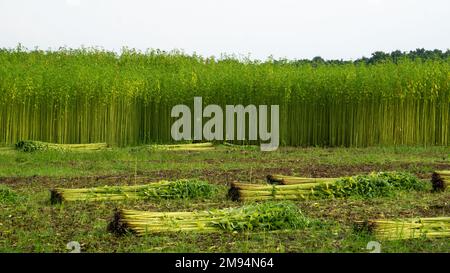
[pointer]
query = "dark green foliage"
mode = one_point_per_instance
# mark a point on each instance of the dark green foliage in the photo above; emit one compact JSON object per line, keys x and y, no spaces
{"x":181,"y":189}
{"x":372,"y":185}
{"x":30,"y":146}
{"x":264,"y":216}
{"x":377,"y":57}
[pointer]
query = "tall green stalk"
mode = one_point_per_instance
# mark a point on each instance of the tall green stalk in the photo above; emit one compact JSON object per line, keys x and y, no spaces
{"x":92,"y":96}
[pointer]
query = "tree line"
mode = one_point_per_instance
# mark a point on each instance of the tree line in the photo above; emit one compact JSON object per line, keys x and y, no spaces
{"x":376,"y":57}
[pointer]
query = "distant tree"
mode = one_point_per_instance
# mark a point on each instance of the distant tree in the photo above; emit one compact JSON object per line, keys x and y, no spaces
{"x":396,"y":55}
{"x":318,"y":59}
{"x":378,"y":56}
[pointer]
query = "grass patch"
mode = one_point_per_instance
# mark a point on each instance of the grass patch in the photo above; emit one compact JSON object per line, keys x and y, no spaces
{"x":34,"y":225}
{"x":7,"y":195}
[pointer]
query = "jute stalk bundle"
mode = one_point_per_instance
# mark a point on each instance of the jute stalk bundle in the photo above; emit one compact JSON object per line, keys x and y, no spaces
{"x":180,"y":189}
{"x":289,"y":180}
{"x":257,"y":217}
{"x":367,"y":186}
{"x":437,"y":227}
{"x":206,"y":146}
{"x":32,"y":146}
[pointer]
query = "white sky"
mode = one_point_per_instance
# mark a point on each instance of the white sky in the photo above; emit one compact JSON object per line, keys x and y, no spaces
{"x":337,"y":29}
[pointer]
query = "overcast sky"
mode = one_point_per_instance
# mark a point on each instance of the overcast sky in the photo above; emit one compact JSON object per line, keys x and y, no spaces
{"x":336,"y":29}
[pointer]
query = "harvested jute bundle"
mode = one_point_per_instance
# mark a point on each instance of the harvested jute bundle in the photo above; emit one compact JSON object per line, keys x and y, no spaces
{"x":205,"y":146}
{"x":367,"y":186}
{"x":33,"y":146}
{"x":289,"y":180}
{"x":257,"y":217}
{"x":180,"y":189}
{"x":437,"y":227}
